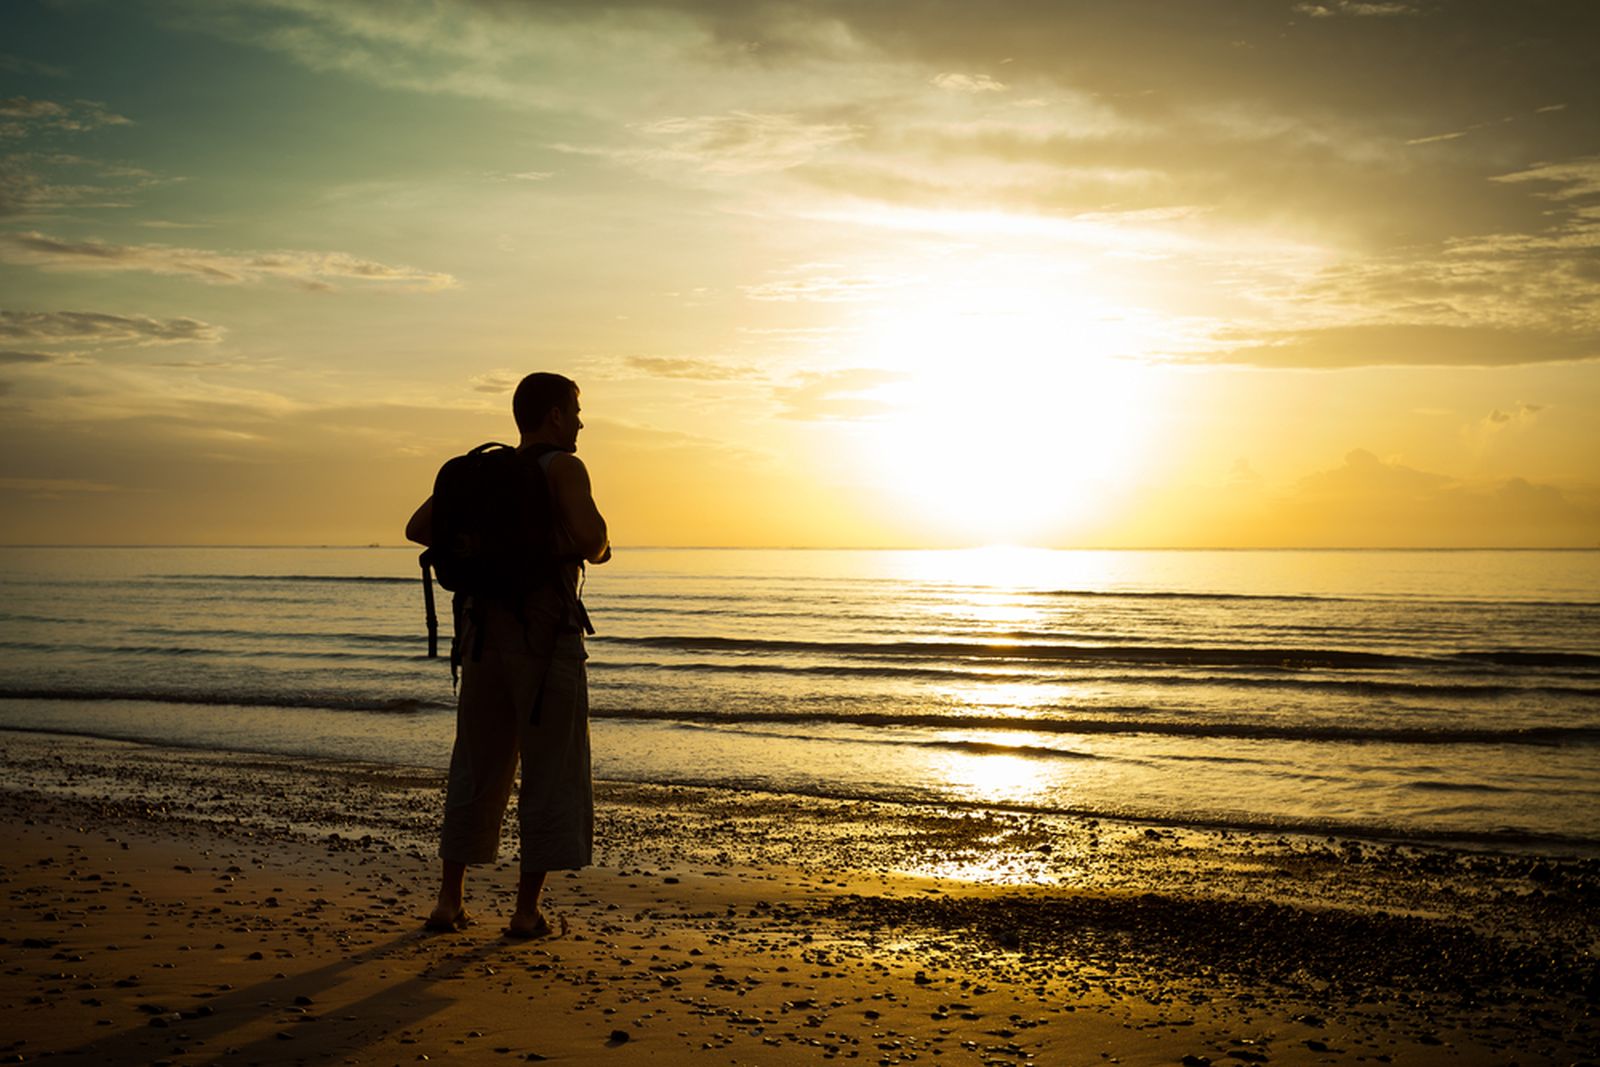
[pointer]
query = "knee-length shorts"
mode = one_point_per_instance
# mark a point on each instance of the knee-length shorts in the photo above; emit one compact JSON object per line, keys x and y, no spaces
{"x":525,"y":698}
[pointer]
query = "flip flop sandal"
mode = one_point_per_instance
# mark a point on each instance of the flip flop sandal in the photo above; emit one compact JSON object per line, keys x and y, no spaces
{"x":541,"y":929}
{"x":454,"y":925}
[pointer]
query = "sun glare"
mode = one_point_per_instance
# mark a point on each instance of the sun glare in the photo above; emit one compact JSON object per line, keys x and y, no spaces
{"x":1012,"y":419}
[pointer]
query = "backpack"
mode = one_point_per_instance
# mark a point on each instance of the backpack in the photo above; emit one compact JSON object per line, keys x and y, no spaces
{"x":493,"y":537}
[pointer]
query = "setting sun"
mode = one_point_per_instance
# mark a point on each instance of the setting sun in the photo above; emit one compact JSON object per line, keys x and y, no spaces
{"x":1009,"y":415}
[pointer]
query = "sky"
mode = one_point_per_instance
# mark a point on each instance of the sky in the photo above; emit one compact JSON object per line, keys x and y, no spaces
{"x":1154,"y":273}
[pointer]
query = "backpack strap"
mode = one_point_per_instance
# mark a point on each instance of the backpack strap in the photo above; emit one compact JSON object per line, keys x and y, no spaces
{"x":544,"y":454}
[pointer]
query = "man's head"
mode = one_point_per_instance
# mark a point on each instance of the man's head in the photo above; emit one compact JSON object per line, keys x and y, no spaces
{"x":546,"y":409}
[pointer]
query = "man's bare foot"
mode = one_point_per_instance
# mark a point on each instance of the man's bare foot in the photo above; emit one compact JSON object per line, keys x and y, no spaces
{"x":527,"y":926}
{"x":447,"y":919}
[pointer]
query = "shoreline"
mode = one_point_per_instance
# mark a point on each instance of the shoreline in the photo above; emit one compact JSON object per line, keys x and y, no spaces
{"x":719,"y":922}
{"x":1550,"y":846}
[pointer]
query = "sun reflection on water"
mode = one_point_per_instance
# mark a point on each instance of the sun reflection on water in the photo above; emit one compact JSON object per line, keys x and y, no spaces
{"x":1000,"y":868}
{"x":990,"y":777}
{"x":1020,"y":700}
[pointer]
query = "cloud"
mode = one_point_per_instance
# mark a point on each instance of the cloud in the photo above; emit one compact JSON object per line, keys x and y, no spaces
{"x":737,"y":143}
{"x":1409,"y":344}
{"x":40,"y":181}
{"x":21,"y":116}
{"x":795,"y":334}
{"x":1368,"y":501}
{"x":102,"y":328}
{"x":1435,"y":138}
{"x":1355,"y":9}
{"x":1523,"y":412}
{"x":1364,"y":474}
{"x":818,"y":283}
{"x":967,"y":83}
{"x":16,"y":64}
{"x":14,"y":356}
{"x":1371,"y":501}
{"x":502,"y":380}
{"x":838,"y":394}
{"x":51,"y":487}
{"x":1572,"y":178}
{"x":194,"y":364}
{"x":311,"y":270}
{"x":703,"y":370}
{"x":32,"y":183}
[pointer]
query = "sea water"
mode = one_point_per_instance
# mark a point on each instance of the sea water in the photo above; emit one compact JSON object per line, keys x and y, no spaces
{"x":1445,"y":695}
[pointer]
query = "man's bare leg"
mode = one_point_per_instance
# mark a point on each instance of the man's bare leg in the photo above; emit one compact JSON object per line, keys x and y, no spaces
{"x":449,"y":913}
{"x":529,"y":921}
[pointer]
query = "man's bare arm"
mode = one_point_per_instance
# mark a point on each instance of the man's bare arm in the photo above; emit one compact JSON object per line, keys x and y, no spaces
{"x":420,"y":526}
{"x":574,"y":496}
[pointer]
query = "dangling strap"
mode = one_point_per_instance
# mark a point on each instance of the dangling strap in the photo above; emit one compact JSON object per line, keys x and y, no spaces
{"x":577,"y":600}
{"x":456,"y":615}
{"x":478,"y":612}
{"x":427,"y":600}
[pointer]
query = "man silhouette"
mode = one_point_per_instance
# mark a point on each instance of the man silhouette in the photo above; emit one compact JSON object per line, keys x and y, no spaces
{"x":524,"y":688}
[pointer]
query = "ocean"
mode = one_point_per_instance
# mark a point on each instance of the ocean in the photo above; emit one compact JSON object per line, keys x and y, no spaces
{"x":1446,"y":696}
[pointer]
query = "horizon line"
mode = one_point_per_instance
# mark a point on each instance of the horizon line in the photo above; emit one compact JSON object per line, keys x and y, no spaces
{"x":874,"y":548}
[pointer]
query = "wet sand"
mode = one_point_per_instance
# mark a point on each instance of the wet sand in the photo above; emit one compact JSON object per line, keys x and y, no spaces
{"x":189,"y":907}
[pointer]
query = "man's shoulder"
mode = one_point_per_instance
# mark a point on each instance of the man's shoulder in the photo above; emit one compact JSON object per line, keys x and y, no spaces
{"x":563,"y":465}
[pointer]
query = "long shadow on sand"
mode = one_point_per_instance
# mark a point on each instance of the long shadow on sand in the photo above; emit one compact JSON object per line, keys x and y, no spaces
{"x":275,"y":1006}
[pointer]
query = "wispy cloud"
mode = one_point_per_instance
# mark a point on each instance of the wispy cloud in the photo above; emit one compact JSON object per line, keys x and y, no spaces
{"x":42,"y":180}
{"x":21,"y":115}
{"x":823,"y":283}
{"x":1571,"y":179}
{"x":500,"y":380}
{"x":967,"y":83}
{"x":734,"y":143}
{"x":1355,"y":9}
{"x":835,"y":395}
{"x":34,"y":183}
{"x":1438,"y":137}
{"x":16,"y":64}
{"x":55,"y":486}
{"x":1522,"y":412}
{"x":1408,"y":344}
{"x":13,"y":356}
{"x":103,"y":328}
{"x":310,"y":270}
{"x":693,"y":369}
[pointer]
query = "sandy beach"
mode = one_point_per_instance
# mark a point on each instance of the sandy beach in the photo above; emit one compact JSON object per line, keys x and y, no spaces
{"x":169,"y":906}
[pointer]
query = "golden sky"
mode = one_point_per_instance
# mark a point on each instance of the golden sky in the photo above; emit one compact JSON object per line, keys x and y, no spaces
{"x":1155,"y":273}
